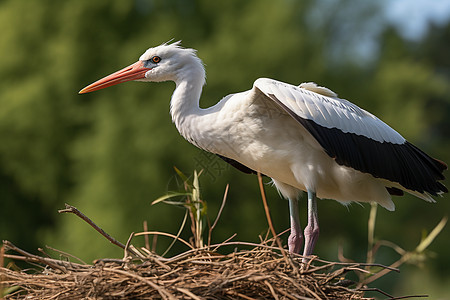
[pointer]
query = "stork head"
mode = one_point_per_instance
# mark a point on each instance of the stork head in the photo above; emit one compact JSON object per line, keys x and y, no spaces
{"x":162,"y":63}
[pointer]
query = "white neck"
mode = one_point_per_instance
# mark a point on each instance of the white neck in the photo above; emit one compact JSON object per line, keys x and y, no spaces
{"x":184,"y":105}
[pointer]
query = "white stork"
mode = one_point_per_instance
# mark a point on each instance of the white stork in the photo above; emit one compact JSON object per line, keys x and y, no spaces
{"x":304,"y":137}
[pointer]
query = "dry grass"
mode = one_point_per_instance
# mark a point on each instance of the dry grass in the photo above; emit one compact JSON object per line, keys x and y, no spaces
{"x":259,"y":273}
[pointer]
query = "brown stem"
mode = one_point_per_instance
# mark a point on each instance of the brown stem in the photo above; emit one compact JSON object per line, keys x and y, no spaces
{"x":269,"y":219}
{"x":75,"y":211}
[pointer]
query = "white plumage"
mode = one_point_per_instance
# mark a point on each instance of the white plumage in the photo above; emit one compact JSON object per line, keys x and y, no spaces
{"x":322,"y":105}
{"x":304,"y":137}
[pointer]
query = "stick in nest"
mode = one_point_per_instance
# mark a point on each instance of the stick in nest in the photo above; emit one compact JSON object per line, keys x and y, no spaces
{"x":126,"y":248}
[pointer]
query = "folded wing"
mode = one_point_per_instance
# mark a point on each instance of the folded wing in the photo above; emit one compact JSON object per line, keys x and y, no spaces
{"x":355,"y":138}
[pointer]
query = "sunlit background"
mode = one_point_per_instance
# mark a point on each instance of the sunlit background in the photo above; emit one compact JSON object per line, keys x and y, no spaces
{"x":112,"y":152}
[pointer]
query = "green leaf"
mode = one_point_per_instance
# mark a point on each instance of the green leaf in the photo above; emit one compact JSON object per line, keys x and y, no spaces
{"x":9,"y":290}
{"x":182,"y":176}
{"x":170,"y":195}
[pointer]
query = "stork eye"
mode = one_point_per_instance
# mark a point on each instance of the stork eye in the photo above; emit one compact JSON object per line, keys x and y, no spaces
{"x":156,"y":59}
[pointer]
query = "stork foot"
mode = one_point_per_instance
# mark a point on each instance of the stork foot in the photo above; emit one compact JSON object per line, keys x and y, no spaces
{"x":295,"y":241}
{"x":311,"y":237}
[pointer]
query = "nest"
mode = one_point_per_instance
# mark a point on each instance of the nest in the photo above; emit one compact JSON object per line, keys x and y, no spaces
{"x":249,"y":271}
{"x":263,"y":272}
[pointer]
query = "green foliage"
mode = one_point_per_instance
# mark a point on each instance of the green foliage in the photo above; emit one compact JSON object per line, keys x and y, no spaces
{"x":111,"y":153}
{"x":417,"y":257}
{"x":191,"y":201}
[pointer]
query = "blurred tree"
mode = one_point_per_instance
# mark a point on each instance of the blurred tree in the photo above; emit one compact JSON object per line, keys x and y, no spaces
{"x":34,"y":124}
{"x":412,"y":91}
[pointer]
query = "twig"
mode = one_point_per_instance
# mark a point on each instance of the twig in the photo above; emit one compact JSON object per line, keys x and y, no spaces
{"x":264,"y":240}
{"x":233,"y":293}
{"x":2,"y":261}
{"x":75,"y":211}
{"x":341,"y":256}
{"x":292,"y":297}
{"x":154,"y":242}
{"x":389,"y":244}
{"x":127,"y":245}
{"x":110,"y":260}
{"x":146,"y":240}
{"x":166,"y":234}
{"x":225,"y":242}
{"x":156,"y":259}
{"x":66,"y":254}
{"x":43,"y":252}
{"x":188,"y":293}
{"x":224,"y":200}
{"x":177,"y":237}
{"x":269,"y":219}
{"x":396,"y":264}
{"x":272,"y":291}
{"x":409,"y":297}
{"x":377,"y":290}
{"x":433,"y":234}
{"x":164,"y":294}
{"x":2,"y":254}
{"x":53,"y":263}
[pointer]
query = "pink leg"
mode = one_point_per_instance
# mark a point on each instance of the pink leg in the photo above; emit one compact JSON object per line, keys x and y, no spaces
{"x":312,"y":229}
{"x":295,"y":240}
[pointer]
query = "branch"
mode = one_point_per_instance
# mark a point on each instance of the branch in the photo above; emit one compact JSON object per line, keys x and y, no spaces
{"x":224,"y":200}
{"x":26,"y":256}
{"x":75,"y":211}
{"x":269,"y":219}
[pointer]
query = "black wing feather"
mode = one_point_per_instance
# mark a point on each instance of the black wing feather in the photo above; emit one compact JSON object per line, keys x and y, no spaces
{"x":402,"y":163}
{"x":237,"y":165}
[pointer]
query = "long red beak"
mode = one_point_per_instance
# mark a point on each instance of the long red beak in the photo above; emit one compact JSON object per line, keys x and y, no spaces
{"x":132,"y":72}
